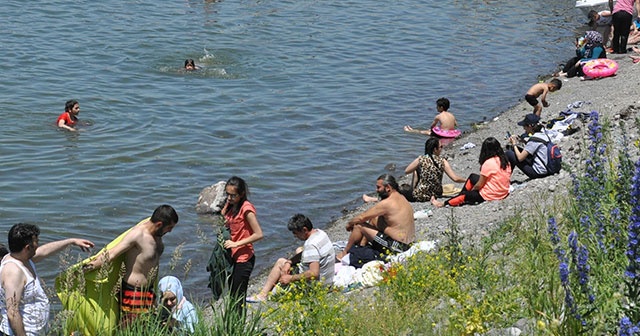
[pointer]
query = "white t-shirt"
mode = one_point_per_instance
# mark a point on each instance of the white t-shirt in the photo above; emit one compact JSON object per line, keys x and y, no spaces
{"x":318,"y":248}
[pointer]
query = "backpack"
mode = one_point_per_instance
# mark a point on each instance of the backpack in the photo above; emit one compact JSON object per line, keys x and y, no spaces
{"x":554,"y":156}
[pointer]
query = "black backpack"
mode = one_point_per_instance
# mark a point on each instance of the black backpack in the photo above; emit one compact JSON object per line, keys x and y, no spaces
{"x":554,"y":156}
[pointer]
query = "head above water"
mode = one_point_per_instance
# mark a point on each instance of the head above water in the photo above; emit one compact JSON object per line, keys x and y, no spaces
{"x":68,"y":106}
{"x":442,"y":104}
{"x":189,"y":64}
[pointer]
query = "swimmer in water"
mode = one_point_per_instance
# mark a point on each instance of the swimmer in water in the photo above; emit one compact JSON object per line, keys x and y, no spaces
{"x":69,"y":117}
{"x":190,"y":65}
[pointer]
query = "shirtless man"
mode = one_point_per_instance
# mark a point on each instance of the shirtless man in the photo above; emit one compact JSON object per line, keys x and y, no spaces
{"x":540,"y":90}
{"x":142,"y":247}
{"x":388,"y":226}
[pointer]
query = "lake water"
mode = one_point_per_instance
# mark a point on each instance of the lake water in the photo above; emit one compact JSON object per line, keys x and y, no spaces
{"x":304,"y":99}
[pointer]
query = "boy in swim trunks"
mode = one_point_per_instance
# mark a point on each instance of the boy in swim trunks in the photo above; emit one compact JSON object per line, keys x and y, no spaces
{"x":69,"y":118}
{"x":541,"y":90}
{"x":444,"y":120}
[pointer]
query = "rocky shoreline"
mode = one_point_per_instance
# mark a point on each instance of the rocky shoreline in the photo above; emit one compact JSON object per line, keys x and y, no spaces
{"x":616,"y":99}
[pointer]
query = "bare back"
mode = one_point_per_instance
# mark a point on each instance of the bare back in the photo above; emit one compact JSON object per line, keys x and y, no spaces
{"x":393,"y":216}
{"x":538,"y":89}
{"x":447,"y":121}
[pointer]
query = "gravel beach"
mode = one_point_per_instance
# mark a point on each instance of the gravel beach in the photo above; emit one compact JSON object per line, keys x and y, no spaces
{"x":615,"y":98}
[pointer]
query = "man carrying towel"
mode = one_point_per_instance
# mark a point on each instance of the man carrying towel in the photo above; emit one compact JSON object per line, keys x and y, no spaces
{"x":142,"y":247}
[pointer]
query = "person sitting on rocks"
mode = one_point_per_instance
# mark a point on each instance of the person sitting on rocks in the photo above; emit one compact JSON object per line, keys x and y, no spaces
{"x":427,"y":172}
{"x":492,"y":183}
{"x":316,"y":261}
{"x":387,"y":227}
{"x":532,"y":159}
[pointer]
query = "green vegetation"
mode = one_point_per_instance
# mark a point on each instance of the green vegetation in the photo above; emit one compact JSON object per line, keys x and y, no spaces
{"x":567,"y":269}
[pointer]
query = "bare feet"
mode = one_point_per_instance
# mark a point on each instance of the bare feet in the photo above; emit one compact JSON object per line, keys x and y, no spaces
{"x":368,"y":199}
{"x":257,"y":298}
{"x":436,"y":203}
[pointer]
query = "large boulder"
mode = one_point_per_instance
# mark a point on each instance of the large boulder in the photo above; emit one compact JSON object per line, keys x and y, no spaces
{"x":211,"y":199}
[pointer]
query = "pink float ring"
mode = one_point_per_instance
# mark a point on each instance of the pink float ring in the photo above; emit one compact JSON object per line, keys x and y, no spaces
{"x":445,"y":133}
{"x":600,"y":67}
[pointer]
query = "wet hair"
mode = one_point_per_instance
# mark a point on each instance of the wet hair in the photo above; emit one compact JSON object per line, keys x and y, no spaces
{"x":388,"y":180}
{"x":557,"y":83}
{"x":3,"y":251}
{"x":21,"y":235}
{"x":165,"y":214}
{"x":443,"y":102}
{"x":491,"y":147}
{"x":243,"y":192}
{"x":69,"y":105}
{"x":189,"y":62}
{"x":299,"y":221}
{"x":430,"y":146}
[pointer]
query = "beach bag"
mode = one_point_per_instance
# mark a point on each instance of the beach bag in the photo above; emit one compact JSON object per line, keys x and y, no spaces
{"x":554,"y":156}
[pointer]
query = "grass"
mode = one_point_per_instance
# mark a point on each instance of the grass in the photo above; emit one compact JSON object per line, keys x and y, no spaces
{"x":571,"y":268}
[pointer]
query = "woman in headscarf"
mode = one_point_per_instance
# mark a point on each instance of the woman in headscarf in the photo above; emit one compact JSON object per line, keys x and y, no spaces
{"x":590,"y":49}
{"x":172,"y":301}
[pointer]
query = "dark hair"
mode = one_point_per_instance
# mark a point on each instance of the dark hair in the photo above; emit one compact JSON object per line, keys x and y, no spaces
{"x":388,"y":180}
{"x":430,"y":146}
{"x":3,"y":251}
{"x":189,"y":62}
{"x":592,"y":18}
{"x":491,"y":147}
{"x":165,"y":214}
{"x":443,"y":102}
{"x":21,"y":235}
{"x":69,"y":105}
{"x":299,"y":221}
{"x":537,"y":128}
{"x":557,"y":83}
{"x":243,"y":192}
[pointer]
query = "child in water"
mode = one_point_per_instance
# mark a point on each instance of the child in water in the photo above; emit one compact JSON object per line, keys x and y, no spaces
{"x":541,"y":90}
{"x":190,"y":65}
{"x":444,"y":121}
{"x":69,"y":118}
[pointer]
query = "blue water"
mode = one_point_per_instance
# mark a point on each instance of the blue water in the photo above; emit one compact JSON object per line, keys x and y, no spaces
{"x":304,"y":99}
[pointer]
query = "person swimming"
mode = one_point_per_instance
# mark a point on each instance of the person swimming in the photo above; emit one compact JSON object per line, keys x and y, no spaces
{"x":190,"y":65}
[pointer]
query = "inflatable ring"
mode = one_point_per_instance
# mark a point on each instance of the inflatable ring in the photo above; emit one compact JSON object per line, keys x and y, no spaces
{"x":445,"y":133}
{"x":600,"y":67}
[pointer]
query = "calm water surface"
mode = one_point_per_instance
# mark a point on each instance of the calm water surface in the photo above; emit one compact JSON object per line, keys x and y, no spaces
{"x":304,"y":99}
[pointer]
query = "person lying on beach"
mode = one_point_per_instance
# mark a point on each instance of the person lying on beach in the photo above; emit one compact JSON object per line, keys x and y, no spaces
{"x":635,"y":58}
{"x":387,"y":227}
{"x":427,"y":171}
{"x":492,"y":183}
{"x":69,"y":117}
{"x":444,"y":120}
{"x":541,"y":90}
{"x":316,"y":261}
